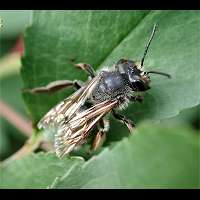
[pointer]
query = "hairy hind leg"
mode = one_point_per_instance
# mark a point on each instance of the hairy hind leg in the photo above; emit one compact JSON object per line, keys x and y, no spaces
{"x":101,"y":135}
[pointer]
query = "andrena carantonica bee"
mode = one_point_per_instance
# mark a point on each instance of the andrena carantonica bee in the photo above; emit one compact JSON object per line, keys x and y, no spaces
{"x":106,"y":91}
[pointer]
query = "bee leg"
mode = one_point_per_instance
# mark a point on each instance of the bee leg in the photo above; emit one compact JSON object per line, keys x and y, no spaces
{"x":54,"y":86}
{"x":101,"y":135}
{"x":136,"y":98}
{"x":124,"y":120}
{"x":86,"y":67}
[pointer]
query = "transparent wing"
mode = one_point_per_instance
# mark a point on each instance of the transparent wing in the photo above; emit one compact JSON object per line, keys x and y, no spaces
{"x":75,"y":131}
{"x":68,"y":107}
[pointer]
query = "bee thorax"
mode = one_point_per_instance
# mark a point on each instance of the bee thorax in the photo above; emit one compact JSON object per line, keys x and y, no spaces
{"x":111,"y":86}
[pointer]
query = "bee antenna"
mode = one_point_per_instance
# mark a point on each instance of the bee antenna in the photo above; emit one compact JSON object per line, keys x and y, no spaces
{"x":160,"y":73}
{"x":148,"y":44}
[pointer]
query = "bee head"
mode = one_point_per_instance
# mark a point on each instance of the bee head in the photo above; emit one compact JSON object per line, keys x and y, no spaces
{"x":138,"y":79}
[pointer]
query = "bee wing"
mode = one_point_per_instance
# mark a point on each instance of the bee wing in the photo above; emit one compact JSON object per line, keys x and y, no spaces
{"x":68,"y":107}
{"x":75,"y":131}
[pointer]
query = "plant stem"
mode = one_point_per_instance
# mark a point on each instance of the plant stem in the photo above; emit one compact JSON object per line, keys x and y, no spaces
{"x":30,"y":146}
{"x":22,"y":124}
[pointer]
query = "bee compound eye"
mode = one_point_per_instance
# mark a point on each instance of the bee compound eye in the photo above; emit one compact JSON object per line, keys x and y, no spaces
{"x":139,"y":85}
{"x":133,"y":71}
{"x":121,"y":61}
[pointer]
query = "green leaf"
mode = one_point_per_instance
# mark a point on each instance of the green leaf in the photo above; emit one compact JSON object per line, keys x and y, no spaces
{"x":36,"y":171}
{"x":102,"y":38}
{"x":155,"y":157}
{"x":175,"y":51}
{"x":188,"y":116}
{"x":57,"y":37}
{"x":152,"y":157}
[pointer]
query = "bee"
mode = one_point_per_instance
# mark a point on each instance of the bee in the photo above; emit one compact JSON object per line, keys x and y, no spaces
{"x":106,"y":91}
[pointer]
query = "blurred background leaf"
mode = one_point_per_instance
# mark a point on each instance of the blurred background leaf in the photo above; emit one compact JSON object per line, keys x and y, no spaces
{"x":11,"y":138}
{"x":14,"y":23}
